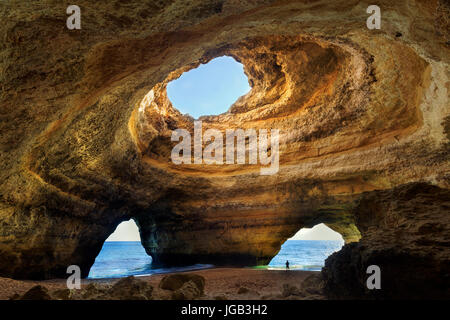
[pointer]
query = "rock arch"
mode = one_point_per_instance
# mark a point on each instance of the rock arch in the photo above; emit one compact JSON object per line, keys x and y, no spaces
{"x":86,"y":122}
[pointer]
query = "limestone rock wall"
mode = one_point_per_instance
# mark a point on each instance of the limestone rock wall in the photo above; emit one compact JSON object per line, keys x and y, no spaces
{"x":85,"y":125}
{"x":405,"y":233}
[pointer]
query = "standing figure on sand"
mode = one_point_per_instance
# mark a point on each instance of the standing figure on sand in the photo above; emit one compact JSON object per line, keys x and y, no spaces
{"x":287,"y":265}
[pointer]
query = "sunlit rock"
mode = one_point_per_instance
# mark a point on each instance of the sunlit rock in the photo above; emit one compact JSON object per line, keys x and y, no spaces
{"x":86,"y":124}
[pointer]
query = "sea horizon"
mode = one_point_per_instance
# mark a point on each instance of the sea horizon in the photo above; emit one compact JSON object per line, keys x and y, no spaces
{"x":125,"y":258}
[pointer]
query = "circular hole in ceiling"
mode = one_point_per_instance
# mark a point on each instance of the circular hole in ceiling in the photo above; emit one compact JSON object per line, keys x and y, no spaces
{"x":209,"y":89}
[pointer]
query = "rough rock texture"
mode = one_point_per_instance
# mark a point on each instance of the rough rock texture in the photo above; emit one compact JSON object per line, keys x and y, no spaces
{"x":188,"y":291}
{"x":85,"y":127}
{"x":36,"y":293}
{"x":312,"y":288}
{"x":128,"y":288}
{"x":406,"y":233}
{"x":174,"y":282}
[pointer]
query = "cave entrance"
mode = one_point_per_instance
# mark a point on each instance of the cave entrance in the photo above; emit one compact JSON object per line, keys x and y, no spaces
{"x":122,"y":254}
{"x":209,"y":89}
{"x":308,"y":249}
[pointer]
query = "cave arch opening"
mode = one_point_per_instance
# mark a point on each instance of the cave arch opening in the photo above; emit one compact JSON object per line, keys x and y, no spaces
{"x":308,"y":249}
{"x":209,"y":89}
{"x":122,"y":254}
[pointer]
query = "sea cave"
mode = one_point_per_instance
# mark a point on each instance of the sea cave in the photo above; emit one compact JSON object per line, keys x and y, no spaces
{"x":364,"y":127}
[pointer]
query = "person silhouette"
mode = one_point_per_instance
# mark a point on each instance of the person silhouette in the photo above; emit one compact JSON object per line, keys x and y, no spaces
{"x":287,"y":264}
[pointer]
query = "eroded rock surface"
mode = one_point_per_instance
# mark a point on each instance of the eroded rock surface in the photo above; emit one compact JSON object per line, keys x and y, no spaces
{"x":405,"y":233}
{"x":176,"y":281}
{"x":86,"y":124}
{"x":128,"y":288}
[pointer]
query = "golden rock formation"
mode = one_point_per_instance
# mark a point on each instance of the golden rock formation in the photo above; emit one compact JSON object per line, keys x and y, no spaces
{"x":86,"y":124}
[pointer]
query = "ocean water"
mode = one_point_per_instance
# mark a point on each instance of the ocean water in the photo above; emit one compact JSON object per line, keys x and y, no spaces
{"x":305,"y":254}
{"x":128,"y":258}
{"x":125,"y":258}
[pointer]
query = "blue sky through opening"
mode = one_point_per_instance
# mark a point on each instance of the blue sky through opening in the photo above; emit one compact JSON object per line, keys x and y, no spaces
{"x":209,"y":89}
